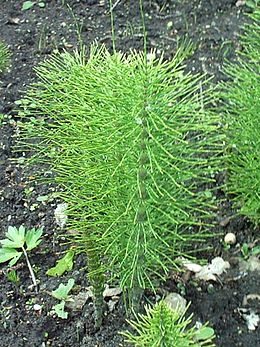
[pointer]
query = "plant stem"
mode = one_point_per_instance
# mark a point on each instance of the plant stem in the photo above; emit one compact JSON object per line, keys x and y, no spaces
{"x":134,"y":301}
{"x":112,"y":7}
{"x":96,"y":278}
{"x":143,"y":27}
{"x":30,"y":268}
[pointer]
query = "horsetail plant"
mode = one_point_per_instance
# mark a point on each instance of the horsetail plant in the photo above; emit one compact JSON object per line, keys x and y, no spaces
{"x":131,"y":145}
{"x":242,"y":108}
{"x":161,"y":326}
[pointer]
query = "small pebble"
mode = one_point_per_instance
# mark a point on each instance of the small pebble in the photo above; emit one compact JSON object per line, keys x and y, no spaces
{"x":230,"y":239}
{"x":38,"y":309}
{"x":176,"y":302}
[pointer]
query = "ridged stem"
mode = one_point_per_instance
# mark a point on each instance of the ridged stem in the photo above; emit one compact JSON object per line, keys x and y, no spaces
{"x":96,"y":278}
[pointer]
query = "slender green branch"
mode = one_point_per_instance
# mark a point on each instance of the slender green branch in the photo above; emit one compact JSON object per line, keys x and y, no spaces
{"x":143,"y":27}
{"x":112,"y":23}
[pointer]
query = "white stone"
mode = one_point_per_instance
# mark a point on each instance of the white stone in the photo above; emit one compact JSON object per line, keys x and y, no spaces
{"x":230,"y":239}
{"x":37,"y":307}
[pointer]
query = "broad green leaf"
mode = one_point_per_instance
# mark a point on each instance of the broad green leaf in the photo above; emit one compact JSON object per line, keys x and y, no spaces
{"x":64,"y":264}
{"x":255,"y":250}
{"x":59,"y":310}
{"x":32,"y":238}
{"x":27,"y":5}
{"x":15,"y":259}
{"x":62,"y":291}
{"x":15,"y":236}
{"x":9,"y":253}
{"x":9,"y":244}
{"x":205,"y":333}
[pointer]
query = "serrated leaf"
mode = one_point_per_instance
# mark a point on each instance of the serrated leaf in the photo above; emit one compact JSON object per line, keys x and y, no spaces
{"x":62,"y":291}
{"x":32,"y":238}
{"x":64,"y":264}
{"x":9,"y":253}
{"x":59,"y":310}
{"x":15,"y":237}
{"x":15,"y":259}
{"x":27,"y":5}
{"x":205,"y":333}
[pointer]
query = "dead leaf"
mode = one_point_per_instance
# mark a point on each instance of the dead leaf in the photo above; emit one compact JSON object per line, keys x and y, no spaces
{"x":224,"y":222}
{"x":79,"y":300}
{"x":251,"y":264}
{"x":250,"y":297}
{"x":240,"y":3}
{"x":60,"y":214}
{"x":192,"y":266}
{"x":211,"y":271}
{"x":251,"y":317}
{"x":111,"y":292}
{"x":14,"y":20}
{"x":112,"y":304}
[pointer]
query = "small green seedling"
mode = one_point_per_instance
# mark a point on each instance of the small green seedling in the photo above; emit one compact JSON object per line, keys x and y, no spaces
{"x":13,"y":277}
{"x":23,"y":240}
{"x":27,"y":5}
{"x":204,"y":335}
{"x":62,"y":293}
{"x":247,"y":251}
{"x":64,"y":264}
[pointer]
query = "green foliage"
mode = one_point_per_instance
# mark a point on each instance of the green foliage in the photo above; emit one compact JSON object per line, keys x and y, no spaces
{"x":4,"y":57}
{"x":247,"y":251}
{"x":164,"y":327}
{"x":252,"y":4}
{"x":63,"y":265}
{"x":131,"y":145}
{"x":242,"y":111}
{"x":27,"y":5}
{"x":18,"y":238}
{"x":13,"y":277}
{"x":1,"y":118}
{"x":23,"y":239}
{"x":62,"y":293}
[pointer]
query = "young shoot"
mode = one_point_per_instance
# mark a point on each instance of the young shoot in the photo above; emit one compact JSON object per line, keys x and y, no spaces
{"x":62,"y":294}
{"x":161,"y":326}
{"x":18,"y":242}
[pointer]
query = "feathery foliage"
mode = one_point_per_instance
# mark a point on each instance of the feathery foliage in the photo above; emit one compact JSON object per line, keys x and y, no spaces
{"x":4,"y":57}
{"x":131,"y":145}
{"x":161,"y":326}
{"x":242,"y":110}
